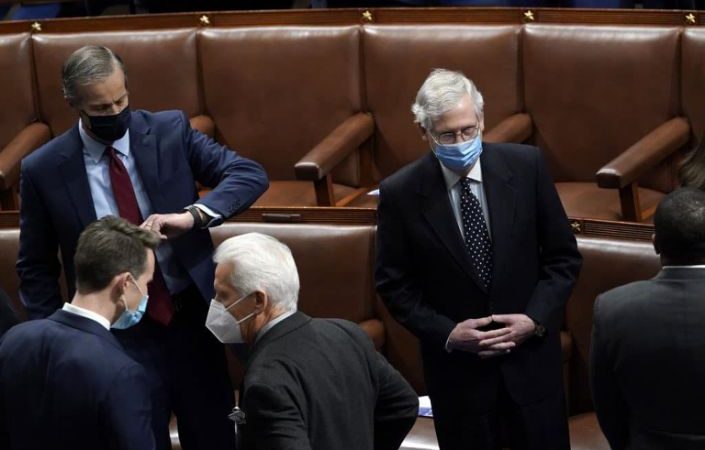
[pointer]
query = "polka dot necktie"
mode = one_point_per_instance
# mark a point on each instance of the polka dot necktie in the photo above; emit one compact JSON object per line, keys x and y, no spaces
{"x":477,"y":237}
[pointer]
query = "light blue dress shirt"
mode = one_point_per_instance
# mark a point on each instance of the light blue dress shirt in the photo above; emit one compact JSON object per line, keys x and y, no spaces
{"x":97,"y":168}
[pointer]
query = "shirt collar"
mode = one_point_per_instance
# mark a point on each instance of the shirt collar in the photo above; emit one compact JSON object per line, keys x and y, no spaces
{"x":271,"y":324}
{"x":95,"y":149}
{"x":88,"y":314}
{"x":451,"y":178}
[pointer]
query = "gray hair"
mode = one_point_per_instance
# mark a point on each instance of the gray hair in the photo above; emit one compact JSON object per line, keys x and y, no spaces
{"x":261,"y":263}
{"x":441,"y":92}
{"x":88,"y":65}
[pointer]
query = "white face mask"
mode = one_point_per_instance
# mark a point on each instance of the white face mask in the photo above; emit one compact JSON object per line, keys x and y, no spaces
{"x":223,"y":325}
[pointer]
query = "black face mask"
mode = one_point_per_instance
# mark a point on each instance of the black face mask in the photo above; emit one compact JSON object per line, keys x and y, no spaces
{"x":110,"y":128}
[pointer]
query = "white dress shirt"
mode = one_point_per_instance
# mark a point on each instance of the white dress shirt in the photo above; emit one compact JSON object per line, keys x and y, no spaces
{"x":88,"y":314}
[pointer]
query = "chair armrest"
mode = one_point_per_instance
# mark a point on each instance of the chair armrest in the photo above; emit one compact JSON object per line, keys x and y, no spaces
{"x":516,"y":128}
{"x":204,"y":124}
{"x":644,"y":155}
{"x":26,"y":141}
{"x":375,"y":330}
{"x":340,"y":143}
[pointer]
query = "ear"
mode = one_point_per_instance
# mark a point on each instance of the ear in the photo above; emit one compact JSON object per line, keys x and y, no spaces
{"x":481,"y":124}
{"x":422,"y":130}
{"x":261,"y":301}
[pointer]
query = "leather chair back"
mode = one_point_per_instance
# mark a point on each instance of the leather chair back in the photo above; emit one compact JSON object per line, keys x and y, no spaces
{"x":163,"y":65}
{"x":334,"y":264}
{"x":16,"y":95}
{"x":693,"y":80}
{"x":607,"y":263}
{"x":275,"y":92}
{"x":9,"y":281}
{"x":399,"y":57}
{"x":593,"y":91}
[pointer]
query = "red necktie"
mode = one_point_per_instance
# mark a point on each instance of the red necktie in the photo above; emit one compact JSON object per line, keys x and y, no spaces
{"x":159,"y":307}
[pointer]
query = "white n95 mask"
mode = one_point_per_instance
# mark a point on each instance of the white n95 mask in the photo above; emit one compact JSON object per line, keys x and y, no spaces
{"x":223,"y":325}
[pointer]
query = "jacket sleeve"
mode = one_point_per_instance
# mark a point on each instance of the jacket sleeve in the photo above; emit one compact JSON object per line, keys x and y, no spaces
{"x":397,"y":406}
{"x":611,"y":409}
{"x":273,"y":420}
{"x":396,"y":282}
{"x":38,"y":265}
{"x":236,"y":182}
{"x":127,"y":411}
{"x":560,"y":260}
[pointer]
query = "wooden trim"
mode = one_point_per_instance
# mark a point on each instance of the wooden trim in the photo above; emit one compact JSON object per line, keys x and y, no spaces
{"x":614,"y":230}
{"x":359,"y":16}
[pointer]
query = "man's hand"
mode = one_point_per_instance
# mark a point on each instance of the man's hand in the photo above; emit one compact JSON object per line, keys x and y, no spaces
{"x":169,"y":226}
{"x":521,"y":326}
{"x":466,"y":337}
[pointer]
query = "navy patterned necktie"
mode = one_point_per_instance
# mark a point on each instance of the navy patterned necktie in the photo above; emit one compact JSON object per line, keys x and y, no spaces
{"x":477,"y":237}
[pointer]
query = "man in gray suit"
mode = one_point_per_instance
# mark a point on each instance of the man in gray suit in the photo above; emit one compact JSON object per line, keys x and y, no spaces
{"x":648,"y":340}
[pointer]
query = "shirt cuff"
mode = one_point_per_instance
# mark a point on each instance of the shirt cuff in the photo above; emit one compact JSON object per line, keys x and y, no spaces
{"x":449,"y":350}
{"x":214,"y":218}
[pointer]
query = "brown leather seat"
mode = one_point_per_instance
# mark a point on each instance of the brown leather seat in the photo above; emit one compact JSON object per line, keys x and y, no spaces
{"x":20,"y":133}
{"x":393,"y":75}
{"x":605,"y":106}
{"x":163,"y":65}
{"x":289,"y":98}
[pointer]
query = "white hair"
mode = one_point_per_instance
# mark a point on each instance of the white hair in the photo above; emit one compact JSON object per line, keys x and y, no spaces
{"x":261,"y":263}
{"x":441,"y":92}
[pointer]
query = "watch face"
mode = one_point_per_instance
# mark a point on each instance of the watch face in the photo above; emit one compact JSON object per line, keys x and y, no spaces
{"x":540,"y":330}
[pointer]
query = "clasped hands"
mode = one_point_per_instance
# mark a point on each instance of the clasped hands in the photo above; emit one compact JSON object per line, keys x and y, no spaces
{"x":467,"y":337}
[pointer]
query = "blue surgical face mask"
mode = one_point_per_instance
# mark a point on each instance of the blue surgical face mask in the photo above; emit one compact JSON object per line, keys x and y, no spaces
{"x":130,"y":318}
{"x":461,"y":156}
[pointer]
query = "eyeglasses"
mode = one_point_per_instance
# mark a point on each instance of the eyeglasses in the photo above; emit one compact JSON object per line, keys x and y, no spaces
{"x":449,"y":137}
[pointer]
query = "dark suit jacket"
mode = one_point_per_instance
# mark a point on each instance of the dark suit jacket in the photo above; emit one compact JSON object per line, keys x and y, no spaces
{"x":65,"y":383}
{"x":426,"y":278}
{"x":648,"y":362}
{"x":320,"y":384}
{"x":57,"y":203}
{"x":8,"y":318}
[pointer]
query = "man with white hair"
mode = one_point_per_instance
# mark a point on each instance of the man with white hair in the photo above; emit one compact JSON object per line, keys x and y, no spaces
{"x":309,"y":383}
{"x":476,"y":258}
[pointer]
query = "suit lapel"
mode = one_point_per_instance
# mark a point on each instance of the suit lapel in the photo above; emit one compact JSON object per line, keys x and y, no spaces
{"x":73,"y":171}
{"x":439,"y":214}
{"x":501,"y":196}
{"x":143,"y":146}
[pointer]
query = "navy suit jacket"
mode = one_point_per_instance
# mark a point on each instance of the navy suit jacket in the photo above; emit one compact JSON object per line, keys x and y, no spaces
{"x":66,"y":383}
{"x":427,"y":280}
{"x":170,"y":156}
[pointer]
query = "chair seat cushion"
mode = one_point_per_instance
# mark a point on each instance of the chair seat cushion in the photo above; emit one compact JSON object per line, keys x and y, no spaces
{"x":582,"y":199}
{"x":297,"y":193}
{"x":585,"y":433}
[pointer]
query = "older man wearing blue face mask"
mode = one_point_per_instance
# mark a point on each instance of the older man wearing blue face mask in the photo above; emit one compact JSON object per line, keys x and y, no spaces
{"x":476,"y":258}
{"x":65,"y":381}
{"x":300,"y":369}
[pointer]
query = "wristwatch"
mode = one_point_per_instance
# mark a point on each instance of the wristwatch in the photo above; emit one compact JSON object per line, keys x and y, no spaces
{"x":197,"y":217}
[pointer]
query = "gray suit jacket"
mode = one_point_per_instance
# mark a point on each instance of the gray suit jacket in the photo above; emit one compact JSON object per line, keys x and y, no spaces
{"x":648,"y":362}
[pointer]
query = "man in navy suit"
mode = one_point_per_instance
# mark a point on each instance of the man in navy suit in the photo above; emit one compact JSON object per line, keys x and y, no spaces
{"x":65,"y":381}
{"x":142,"y":166}
{"x":475,"y":256}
